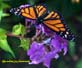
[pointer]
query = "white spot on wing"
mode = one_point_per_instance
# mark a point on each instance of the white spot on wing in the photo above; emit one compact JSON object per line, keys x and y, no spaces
{"x":65,"y":36}
{"x":16,"y":13}
{"x":67,"y":32}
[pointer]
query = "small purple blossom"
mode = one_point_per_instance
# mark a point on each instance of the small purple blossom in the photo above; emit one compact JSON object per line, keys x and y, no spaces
{"x":23,"y":6}
{"x":39,"y":54}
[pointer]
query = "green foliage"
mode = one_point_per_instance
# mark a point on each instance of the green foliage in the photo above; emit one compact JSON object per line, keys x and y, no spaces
{"x":2,"y":14}
{"x":79,"y":64}
{"x":2,"y":31}
{"x":61,"y":64}
{"x":71,"y":48}
{"x":2,"y":7}
{"x":25,"y":44}
{"x":18,"y":29}
{"x":64,"y":5}
{"x":3,"y":42}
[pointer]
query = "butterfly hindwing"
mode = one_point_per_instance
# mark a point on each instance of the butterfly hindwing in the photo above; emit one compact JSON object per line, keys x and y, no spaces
{"x":56,"y":23}
{"x":53,"y":21}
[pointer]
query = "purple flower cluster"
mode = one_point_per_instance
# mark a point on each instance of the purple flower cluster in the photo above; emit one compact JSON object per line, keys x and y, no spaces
{"x":47,"y":48}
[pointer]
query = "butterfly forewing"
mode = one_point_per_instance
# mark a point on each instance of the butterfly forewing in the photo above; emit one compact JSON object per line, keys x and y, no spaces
{"x":28,"y":12}
{"x":33,"y":12}
{"x":40,"y":10}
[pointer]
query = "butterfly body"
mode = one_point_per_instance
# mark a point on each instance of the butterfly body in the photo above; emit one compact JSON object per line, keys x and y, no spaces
{"x":39,"y":21}
{"x":53,"y":20}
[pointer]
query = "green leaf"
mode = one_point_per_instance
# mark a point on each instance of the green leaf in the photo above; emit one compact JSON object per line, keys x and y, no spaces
{"x":25,"y":44}
{"x":4,"y":5}
{"x":71,"y":48}
{"x":23,"y":30}
{"x":4,"y":45}
{"x":2,"y":14}
{"x":1,"y":1}
{"x":18,"y":29}
{"x":79,"y":64}
{"x":2,"y":31}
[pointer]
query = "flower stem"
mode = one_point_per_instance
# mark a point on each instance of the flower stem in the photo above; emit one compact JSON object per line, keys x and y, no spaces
{"x":12,"y":35}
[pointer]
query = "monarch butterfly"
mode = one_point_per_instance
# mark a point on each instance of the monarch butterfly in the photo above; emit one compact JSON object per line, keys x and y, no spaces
{"x":52,"y":20}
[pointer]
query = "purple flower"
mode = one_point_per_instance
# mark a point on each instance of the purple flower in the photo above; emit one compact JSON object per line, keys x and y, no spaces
{"x":39,"y":53}
{"x":59,"y":44}
{"x":36,"y":52}
{"x":23,"y":6}
{"x":47,"y":48}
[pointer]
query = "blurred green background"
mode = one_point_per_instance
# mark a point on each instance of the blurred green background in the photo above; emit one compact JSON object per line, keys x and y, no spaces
{"x":9,"y":46}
